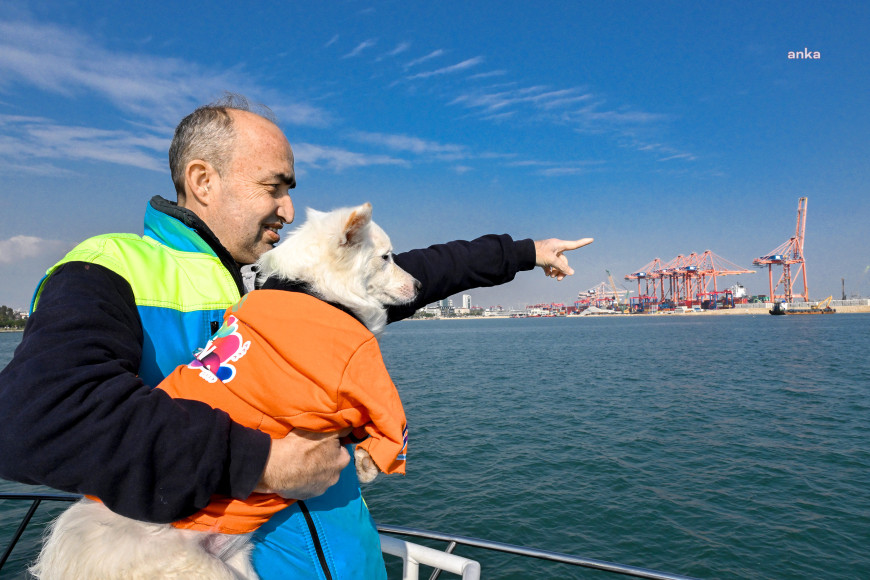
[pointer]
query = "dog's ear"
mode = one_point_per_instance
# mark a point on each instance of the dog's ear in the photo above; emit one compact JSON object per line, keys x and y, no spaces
{"x":355,"y":226}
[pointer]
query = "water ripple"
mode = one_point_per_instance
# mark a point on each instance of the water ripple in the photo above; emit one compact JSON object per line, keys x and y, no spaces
{"x":700,"y":447}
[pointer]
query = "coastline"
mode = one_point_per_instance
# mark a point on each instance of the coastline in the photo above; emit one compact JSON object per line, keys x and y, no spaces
{"x":863,"y":309}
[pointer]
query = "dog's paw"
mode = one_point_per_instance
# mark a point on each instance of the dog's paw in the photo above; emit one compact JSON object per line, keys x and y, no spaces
{"x":366,"y":470}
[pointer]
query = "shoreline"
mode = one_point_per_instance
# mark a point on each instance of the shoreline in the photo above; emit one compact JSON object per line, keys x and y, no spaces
{"x":725,"y":312}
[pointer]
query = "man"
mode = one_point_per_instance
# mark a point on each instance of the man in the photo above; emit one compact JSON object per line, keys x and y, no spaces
{"x":117,"y":314}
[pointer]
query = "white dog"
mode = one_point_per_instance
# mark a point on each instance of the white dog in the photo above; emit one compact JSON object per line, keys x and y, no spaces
{"x":340,"y":257}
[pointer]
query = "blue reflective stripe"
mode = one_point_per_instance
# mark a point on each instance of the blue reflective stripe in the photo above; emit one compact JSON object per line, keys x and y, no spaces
{"x":170,"y":338}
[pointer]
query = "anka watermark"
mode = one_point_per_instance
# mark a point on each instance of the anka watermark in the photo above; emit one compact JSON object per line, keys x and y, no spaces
{"x":805,"y":53}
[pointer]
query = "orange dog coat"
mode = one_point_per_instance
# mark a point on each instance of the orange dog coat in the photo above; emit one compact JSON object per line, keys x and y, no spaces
{"x":285,"y":360}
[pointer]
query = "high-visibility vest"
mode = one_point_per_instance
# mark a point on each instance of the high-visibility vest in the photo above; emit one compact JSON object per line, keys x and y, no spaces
{"x":180,"y":286}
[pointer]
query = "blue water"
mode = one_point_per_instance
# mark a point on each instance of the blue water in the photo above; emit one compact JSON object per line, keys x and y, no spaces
{"x":710,"y":446}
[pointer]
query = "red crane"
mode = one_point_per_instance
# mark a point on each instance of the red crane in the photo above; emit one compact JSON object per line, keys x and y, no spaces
{"x":688,"y":277}
{"x":786,"y":255}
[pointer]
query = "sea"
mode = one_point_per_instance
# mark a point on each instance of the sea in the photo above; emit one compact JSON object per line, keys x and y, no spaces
{"x":717,"y":447}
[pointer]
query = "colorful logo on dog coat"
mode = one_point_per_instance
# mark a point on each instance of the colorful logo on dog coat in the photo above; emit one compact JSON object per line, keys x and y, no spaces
{"x":225,"y":347}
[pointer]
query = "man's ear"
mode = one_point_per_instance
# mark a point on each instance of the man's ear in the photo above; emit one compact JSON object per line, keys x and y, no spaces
{"x":201,"y":181}
{"x":355,"y":226}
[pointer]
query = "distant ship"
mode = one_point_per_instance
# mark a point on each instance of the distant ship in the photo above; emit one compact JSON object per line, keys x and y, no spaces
{"x":738,"y":291}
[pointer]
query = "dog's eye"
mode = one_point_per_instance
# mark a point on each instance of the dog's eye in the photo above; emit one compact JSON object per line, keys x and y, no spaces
{"x":386,"y":257}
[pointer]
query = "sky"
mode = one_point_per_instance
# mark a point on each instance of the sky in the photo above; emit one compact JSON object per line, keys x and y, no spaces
{"x":657,"y":128}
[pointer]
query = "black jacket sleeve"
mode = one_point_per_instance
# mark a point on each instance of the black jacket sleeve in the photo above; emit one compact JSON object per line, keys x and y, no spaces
{"x":75,"y":416}
{"x":445,"y":269}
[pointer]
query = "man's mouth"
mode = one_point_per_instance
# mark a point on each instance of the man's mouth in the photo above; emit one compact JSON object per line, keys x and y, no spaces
{"x":272,"y":234}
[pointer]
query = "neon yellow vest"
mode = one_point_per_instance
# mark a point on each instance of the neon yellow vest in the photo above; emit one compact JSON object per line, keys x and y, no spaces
{"x":179,"y":293}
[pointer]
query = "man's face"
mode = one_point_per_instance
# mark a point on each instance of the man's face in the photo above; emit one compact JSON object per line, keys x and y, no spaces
{"x":253,"y":200}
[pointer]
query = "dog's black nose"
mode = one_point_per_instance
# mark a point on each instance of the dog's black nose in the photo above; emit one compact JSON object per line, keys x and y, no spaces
{"x":417,"y":285}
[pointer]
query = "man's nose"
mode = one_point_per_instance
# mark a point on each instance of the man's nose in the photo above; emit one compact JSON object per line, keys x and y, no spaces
{"x":285,"y":209}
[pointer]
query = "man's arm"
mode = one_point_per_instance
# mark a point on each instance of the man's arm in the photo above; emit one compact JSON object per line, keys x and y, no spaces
{"x":446,"y":269}
{"x":74,"y":415}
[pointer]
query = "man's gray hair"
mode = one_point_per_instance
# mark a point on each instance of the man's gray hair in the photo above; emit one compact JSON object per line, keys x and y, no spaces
{"x":208,"y":134}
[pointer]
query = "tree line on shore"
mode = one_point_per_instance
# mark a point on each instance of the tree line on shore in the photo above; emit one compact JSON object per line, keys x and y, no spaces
{"x":10,"y":319}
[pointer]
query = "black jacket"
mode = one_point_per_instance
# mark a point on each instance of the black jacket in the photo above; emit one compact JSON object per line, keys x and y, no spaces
{"x":74,"y":415}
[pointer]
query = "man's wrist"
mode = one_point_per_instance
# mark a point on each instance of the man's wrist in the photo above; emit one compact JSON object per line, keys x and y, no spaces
{"x":248,"y":454}
{"x":526,"y":254}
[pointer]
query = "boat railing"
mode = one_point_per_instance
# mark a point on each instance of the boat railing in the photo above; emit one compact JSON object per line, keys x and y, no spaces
{"x":413,"y":555}
{"x":454,"y":540}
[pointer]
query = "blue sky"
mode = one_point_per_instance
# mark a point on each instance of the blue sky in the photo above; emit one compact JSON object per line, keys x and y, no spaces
{"x":657,"y":128}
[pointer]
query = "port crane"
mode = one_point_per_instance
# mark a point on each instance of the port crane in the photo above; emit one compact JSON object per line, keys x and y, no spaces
{"x":601,"y":295}
{"x":788,"y":254}
{"x":612,"y":285}
{"x":685,"y":279}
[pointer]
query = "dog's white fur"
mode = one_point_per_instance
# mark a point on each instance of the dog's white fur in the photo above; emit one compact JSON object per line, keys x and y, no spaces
{"x":344,"y":258}
{"x":347,"y":259}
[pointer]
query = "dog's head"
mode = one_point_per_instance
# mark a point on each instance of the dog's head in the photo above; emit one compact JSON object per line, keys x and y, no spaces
{"x":345,"y":258}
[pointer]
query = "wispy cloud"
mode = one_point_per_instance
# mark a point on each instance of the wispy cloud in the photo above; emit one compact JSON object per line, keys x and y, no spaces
{"x":686,"y":156}
{"x":68,"y":63}
{"x":360,"y":48}
{"x":575,"y":107}
{"x":303,"y":114}
{"x":154,"y":91}
{"x":21,"y":248}
{"x":564,"y":170}
{"x":120,"y":147}
{"x":415,"y":145}
{"x":458,"y":67}
{"x":616,"y":117}
{"x":422,"y":59}
{"x":486,"y":75}
{"x":402,"y":47}
{"x":558,"y":169}
{"x":335,"y":158}
{"x":25,"y":139}
{"x":538,"y":96}
{"x":496,"y":117}
{"x":64,"y":62}
{"x":662,"y":151}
